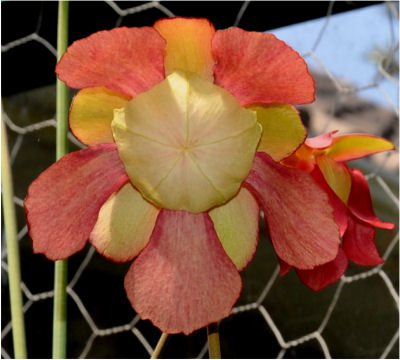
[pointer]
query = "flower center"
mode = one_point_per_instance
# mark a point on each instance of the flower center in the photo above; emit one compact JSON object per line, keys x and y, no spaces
{"x":186,"y":143}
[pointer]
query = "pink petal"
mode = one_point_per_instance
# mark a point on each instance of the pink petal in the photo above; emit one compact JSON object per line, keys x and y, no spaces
{"x":339,"y":208}
{"x":359,"y":243}
{"x":258,"y":67}
{"x":128,"y":60}
{"x":299,"y":217}
{"x":322,"y":141}
{"x":360,"y":203}
{"x":183,"y":280}
{"x":63,"y":202}
{"x":324,"y":275}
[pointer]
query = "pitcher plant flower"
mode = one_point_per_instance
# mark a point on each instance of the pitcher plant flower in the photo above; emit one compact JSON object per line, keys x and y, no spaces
{"x":325,"y":157}
{"x":185,"y":128}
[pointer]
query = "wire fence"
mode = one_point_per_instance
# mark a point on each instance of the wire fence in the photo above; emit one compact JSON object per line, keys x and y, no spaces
{"x":356,"y":318}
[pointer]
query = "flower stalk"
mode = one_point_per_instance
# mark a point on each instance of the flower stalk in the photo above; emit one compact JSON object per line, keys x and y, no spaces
{"x":14,"y":272}
{"x":159,"y":346}
{"x":62,"y":89}
{"x":61,"y":267}
{"x":214,"y":348}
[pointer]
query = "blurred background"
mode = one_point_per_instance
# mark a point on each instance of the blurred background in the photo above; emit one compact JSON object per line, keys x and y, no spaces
{"x":352,"y":51}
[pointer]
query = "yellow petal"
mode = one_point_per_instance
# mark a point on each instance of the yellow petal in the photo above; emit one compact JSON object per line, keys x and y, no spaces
{"x":350,"y":147}
{"x":236,"y":224}
{"x":124,"y":225}
{"x":91,"y":113}
{"x":186,"y":144}
{"x":188,"y":45}
{"x":283,"y":131}
{"x":336,"y":175}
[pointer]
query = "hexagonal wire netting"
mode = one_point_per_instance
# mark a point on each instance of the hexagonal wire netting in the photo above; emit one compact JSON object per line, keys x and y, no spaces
{"x":357,"y":317}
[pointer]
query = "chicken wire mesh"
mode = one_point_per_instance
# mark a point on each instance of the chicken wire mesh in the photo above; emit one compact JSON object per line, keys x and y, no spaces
{"x":274,"y":318}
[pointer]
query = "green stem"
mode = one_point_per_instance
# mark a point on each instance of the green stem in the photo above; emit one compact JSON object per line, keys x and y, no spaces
{"x":160,"y":346}
{"x":214,"y":348}
{"x":14,"y":272}
{"x":61,"y":267}
{"x":60,"y":310}
{"x":62,"y":90}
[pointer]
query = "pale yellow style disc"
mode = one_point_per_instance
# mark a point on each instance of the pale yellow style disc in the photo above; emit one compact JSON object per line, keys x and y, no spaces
{"x":186,"y":144}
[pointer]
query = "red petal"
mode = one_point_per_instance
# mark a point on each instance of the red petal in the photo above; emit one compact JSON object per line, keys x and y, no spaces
{"x":326,"y":274}
{"x":183,"y":280}
{"x":339,"y":208}
{"x":299,"y":216}
{"x":258,"y":67}
{"x":360,"y":203}
{"x":63,"y":202}
{"x":284,"y":268}
{"x":322,"y":141}
{"x":359,"y":243}
{"x":128,"y":60}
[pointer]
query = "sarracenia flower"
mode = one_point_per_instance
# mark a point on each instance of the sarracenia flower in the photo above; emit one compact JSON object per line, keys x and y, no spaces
{"x":185,"y":128}
{"x":325,"y":158}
